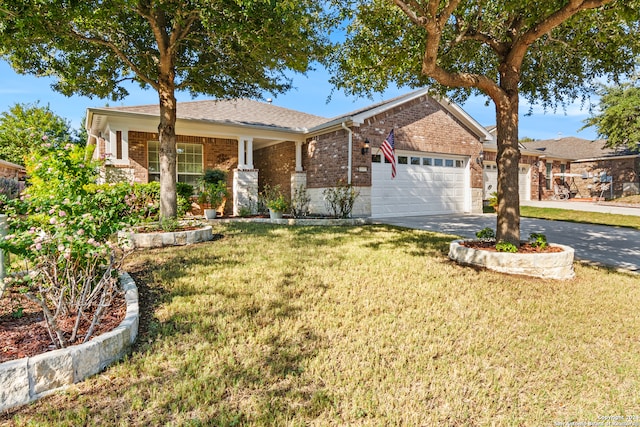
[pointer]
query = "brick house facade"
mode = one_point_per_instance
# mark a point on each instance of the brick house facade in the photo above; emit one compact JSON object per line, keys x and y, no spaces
{"x":437,"y":147}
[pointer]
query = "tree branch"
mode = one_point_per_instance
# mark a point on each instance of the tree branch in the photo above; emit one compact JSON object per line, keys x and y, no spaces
{"x":119,"y":53}
{"x":549,"y":23}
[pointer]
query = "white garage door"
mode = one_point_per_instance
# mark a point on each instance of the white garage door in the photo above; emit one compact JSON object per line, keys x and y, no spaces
{"x":491,"y":181}
{"x":425,"y":184}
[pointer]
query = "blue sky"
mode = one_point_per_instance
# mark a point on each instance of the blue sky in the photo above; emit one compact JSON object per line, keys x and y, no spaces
{"x":309,"y":95}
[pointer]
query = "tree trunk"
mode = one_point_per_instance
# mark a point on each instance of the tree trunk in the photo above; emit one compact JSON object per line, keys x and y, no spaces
{"x":508,"y":158}
{"x":167,"y":137}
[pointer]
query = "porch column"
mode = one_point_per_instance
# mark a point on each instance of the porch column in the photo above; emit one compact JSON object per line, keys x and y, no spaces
{"x":249,"y":153}
{"x":241,"y":164}
{"x":298,"y":156}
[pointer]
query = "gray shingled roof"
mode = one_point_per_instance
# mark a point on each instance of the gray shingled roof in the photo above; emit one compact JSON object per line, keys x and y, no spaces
{"x":572,"y":148}
{"x":236,"y":111}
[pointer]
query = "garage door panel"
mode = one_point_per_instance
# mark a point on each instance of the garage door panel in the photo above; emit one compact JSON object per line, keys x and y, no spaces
{"x":418,"y":190}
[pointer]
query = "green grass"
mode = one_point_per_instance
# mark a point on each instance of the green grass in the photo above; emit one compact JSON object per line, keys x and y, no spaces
{"x":371,"y":325}
{"x":630,"y":221}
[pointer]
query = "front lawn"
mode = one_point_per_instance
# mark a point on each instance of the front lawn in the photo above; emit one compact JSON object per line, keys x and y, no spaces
{"x":369,"y":325}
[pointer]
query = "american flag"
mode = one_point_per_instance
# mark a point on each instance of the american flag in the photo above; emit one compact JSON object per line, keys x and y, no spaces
{"x":389,"y":150}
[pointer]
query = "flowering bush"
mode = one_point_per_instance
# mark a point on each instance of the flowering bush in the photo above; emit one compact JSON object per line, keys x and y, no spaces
{"x":62,"y":227}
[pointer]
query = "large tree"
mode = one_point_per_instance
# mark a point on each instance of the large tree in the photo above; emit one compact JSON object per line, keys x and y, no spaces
{"x":618,"y":117}
{"x":546,"y":51}
{"x":222,"y":48}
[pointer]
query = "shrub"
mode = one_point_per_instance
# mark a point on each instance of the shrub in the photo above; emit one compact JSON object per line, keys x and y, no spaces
{"x":538,"y":240}
{"x":300,"y":202}
{"x":61,"y":227}
{"x":493,"y":200}
{"x":486,"y":233}
{"x":213,"y":176}
{"x":273,"y":198}
{"x":503,"y":246}
{"x":339,"y":200}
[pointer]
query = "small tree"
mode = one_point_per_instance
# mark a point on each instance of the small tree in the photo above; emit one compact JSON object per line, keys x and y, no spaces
{"x":618,"y":118}
{"x":25,"y":127}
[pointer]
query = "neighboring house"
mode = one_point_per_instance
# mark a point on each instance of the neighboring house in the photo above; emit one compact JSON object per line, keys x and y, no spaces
{"x":528,"y":170}
{"x":12,"y":170}
{"x":597,"y":170}
{"x":437,"y":147}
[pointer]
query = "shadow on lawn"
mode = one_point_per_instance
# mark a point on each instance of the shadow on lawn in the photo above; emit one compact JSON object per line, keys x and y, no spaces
{"x":271,"y":374}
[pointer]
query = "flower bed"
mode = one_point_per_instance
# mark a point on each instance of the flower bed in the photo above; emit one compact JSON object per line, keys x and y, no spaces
{"x":549,"y":265}
{"x":139,"y":238}
{"x":30,"y":378}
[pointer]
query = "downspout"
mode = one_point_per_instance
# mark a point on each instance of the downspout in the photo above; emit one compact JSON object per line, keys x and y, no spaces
{"x":350,"y":154}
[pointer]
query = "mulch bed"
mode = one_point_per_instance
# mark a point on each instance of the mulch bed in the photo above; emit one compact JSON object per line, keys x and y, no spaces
{"x":525,"y":247}
{"x":23,"y":331}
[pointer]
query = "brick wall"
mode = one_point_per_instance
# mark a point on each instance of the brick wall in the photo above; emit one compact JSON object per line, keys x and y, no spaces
{"x":420,"y":125}
{"x":7,"y":171}
{"x":325,"y":159}
{"x":548,"y":194}
{"x":625,"y":170}
{"x":276,"y":163}
{"x":217,"y":153}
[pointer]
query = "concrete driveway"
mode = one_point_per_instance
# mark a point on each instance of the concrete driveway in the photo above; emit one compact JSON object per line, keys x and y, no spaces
{"x":612,"y":246}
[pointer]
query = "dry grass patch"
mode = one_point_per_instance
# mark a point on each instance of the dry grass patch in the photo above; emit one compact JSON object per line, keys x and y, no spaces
{"x":360,"y":326}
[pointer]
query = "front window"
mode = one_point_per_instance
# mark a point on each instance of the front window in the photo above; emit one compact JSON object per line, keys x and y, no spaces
{"x":548,"y":176}
{"x":188,"y":162}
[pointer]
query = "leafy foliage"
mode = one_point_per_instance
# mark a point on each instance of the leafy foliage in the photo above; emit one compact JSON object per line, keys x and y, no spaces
{"x":538,"y":240}
{"x":273,"y":198}
{"x":26,"y":127}
{"x":339,"y":200}
{"x":300,"y":202}
{"x":503,"y":246}
{"x":62,"y":230}
{"x":618,"y":118}
{"x":486,"y":233}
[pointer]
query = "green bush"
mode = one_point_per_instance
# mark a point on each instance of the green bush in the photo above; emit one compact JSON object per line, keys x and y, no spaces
{"x":538,"y":240}
{"x":503,"y":246}
{"x":339,"y":200}
{"x":62,"y":228}
{"x":486,"y":233}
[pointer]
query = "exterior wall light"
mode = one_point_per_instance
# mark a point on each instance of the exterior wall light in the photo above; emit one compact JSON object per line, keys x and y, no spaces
{"x":365,"y":147}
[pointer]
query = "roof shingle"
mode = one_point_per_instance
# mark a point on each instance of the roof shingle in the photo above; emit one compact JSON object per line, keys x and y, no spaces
{"x":235,"y":111}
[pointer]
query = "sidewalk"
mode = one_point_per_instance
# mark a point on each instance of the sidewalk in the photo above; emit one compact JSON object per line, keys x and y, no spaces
{"x":577,"y":205}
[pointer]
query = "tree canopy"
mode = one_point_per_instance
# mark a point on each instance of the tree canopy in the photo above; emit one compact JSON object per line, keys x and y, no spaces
{"x":25,"y":126}
{"x":618,"y":117}
{"x":548,"y":52}
{"x":224,"y":48}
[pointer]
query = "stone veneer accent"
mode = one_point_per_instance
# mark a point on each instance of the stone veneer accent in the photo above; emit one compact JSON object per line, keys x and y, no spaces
{"x":30,"y":378}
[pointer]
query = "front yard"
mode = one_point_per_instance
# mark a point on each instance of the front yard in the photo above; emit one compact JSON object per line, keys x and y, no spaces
{"x":369,"y":325}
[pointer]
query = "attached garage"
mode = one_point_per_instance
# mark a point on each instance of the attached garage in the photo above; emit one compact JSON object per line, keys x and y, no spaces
{"x":491,"y":180}
{"x":425,"y":184}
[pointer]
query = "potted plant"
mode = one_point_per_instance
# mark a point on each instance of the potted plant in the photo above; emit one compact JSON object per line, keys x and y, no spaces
{"x":275,"y":201}
{"x":213,"y":191}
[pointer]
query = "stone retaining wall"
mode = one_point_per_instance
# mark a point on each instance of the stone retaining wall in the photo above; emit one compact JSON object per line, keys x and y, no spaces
{"x":30,"y":378}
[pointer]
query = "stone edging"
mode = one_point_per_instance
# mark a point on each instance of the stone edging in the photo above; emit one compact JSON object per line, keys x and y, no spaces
{"x":549,"y":265}
{"x":299,"y":221}
{"x":161,"y":239}
{"x":30,"y":378}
